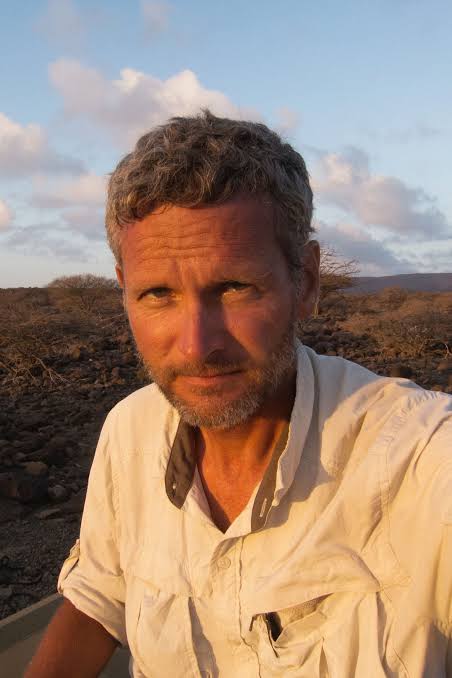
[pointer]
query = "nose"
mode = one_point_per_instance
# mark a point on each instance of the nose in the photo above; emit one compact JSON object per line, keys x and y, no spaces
{"x":201,"y":331}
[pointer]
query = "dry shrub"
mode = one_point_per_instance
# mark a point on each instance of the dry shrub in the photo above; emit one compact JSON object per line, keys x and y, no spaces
{"x":28,"y":342}
{"x":335,"y":304}
{"x":84,"y":281}
{"x":408,"y":338}
{"x":426,"y":303}
{"x":85,"y":294}
{"x":391,"y":298}
{"x":39,"y":327}
{"x":79,"y":302}
{"x":404,"y":334}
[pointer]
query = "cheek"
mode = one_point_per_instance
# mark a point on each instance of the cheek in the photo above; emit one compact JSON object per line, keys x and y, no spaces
{"x":152,"y":334}
{"x":259,"y":328}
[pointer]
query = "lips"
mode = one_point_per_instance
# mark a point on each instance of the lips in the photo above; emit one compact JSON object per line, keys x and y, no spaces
{"x":210,"y":379}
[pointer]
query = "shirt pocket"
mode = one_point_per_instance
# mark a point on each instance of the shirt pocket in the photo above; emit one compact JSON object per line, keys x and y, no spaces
{"x":296,"y":649}
{"x":344,"y":634}
{"x":158,"y":621}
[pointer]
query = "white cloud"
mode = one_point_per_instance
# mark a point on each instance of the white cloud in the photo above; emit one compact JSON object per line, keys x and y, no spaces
{"x":85,"y":190}
{"x":79,"y":203}
{"x":48,"y":240}
{"x":86,"y":221}
{"x":6,"y":215}
{"x":344,"y":180}
{"x":431,"y":256}
{"x":373,"y":257}
{"x":155,"y":16}
{"x":132,"y":104}
{"x":24,"y":149}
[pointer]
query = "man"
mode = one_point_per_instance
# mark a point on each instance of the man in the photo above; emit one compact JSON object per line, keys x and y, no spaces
{"x":259,"y":510}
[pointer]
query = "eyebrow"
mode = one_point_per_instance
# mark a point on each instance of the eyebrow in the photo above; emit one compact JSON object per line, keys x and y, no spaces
{"x":234,"y":276}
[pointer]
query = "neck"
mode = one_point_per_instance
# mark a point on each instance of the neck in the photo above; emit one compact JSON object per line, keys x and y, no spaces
{"x":250,"y":445}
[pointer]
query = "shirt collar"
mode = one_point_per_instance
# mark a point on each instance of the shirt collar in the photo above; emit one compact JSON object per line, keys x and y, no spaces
{"x":286,"y":458}
{"x":280,"y":472}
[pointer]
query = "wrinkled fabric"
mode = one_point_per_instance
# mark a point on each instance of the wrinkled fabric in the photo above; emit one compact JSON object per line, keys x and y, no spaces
{"x":350,"y":573}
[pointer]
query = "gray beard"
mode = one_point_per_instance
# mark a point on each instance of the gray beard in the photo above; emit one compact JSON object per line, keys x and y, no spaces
{"x":279,"y":366}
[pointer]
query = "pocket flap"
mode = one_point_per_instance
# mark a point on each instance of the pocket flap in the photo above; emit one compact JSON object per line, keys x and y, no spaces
{"x":166,"y":574}
{"x":290,"y":614}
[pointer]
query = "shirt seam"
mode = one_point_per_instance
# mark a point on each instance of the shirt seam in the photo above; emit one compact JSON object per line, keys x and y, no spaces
{"x":385,"y":442}
{"x":115,"y":494}
{"x":444,"y":626}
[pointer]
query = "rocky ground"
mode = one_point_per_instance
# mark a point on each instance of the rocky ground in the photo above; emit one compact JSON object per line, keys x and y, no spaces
{"x":48,"y":434}
{"x":49,"y":428}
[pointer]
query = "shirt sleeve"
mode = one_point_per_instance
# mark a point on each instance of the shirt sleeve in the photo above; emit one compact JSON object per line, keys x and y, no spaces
{"x":439,"y":487}
{"x":91,"y":577}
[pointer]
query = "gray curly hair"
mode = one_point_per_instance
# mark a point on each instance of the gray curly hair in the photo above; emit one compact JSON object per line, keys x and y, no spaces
{"x":201,"y":160}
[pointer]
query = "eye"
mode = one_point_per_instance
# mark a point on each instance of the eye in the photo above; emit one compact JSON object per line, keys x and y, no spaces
{"x":156,"y":293}
{"x":234,"y":286}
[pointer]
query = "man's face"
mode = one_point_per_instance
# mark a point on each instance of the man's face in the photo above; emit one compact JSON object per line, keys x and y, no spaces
{"x":212,"y":308}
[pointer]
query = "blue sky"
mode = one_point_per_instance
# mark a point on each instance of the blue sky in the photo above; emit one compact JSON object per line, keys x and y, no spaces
{"x":363,"y":89}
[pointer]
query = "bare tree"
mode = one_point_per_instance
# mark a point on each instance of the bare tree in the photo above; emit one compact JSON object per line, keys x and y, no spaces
{"x":84,"y":281}
{"x":85,"y":292}
{"x":336,"y":274}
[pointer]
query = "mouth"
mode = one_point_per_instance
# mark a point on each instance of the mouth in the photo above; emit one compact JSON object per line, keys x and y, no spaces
{"x":212,"y":379}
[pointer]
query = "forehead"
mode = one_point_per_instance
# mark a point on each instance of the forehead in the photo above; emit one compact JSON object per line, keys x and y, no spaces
{"x":240,"y":229}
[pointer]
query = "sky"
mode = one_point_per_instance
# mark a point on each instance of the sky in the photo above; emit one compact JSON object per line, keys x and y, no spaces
{"x":361,"y":88}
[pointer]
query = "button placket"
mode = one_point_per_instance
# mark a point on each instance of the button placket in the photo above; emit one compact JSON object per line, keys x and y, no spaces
{"x":224,"y":583}
{"x":228,"y":571}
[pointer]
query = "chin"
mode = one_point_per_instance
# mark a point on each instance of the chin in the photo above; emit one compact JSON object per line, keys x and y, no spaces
{"x":216,"y":410}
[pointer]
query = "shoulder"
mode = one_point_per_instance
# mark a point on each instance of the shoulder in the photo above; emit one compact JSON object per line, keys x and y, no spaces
{"x":376,"y":414}
{"x":344,"y":377}
{"x":346,"y":389}
{"x":339,"y":379}
{"x":140,"y":400}
{"x":418,"y":497}
{"x":141,"y":418}
{"x":425,"y":430}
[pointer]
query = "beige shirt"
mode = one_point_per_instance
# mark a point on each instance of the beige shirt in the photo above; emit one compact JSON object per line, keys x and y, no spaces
{"x":340,"y":565}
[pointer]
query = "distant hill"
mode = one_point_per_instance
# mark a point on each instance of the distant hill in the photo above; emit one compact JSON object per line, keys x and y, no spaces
{"x":414,"y":282}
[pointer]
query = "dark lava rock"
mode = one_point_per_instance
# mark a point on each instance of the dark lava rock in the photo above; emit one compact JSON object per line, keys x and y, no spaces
{"x":128,"y":358}
{"x":23,"y":487}
{"x":403,"y":371}
{"x":36,"y":468}
{"x":323,"y":347}
{"x":50,"y":456}
{"x":45,"y":514}
{"x":58,"y":493}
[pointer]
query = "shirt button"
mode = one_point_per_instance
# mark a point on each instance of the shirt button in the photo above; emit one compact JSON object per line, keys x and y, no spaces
{"x":224,"y":563}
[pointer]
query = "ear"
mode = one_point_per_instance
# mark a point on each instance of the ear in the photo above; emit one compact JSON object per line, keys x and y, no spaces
{"x":119,"y":276}
{"x":121,"y":282}
{"x":309,"y":297}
